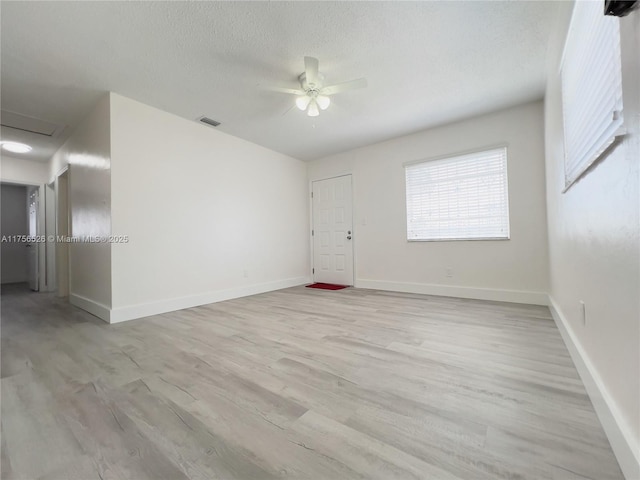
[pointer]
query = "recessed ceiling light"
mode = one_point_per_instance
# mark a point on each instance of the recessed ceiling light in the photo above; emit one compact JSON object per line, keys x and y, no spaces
{"x":16,"y":147}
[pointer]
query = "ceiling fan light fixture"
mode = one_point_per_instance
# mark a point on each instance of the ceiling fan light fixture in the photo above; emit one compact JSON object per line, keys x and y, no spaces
{"x":16,"y":147}
{"x":302,"y":102}
{"x":323,"y":102}
{"x":313,"y":109}
{"x":313,"y":95}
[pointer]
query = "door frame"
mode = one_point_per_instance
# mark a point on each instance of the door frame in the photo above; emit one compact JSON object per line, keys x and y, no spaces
{"x":35,"y":247}
{"x":62,"y":227}
{"x":353,"y":223}
{"x":41,"y":265}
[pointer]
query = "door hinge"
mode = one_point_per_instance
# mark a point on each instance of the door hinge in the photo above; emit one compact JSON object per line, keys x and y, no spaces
{"x":312,"y":233}
{"x":311,"y":194}
{"x":313,"y":270}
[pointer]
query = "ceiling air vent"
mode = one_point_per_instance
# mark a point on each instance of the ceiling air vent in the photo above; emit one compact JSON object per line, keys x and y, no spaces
{"x":209,"y":121}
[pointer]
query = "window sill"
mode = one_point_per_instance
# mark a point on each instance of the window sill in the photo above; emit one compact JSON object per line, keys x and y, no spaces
{"x":491,"y":239}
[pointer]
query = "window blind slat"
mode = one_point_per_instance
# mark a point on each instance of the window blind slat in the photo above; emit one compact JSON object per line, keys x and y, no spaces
{"x":591,"y":87}
{"x":458,"y":198}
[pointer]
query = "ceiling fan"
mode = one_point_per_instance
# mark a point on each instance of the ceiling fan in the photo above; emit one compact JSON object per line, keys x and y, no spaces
{"x":313,"y":95}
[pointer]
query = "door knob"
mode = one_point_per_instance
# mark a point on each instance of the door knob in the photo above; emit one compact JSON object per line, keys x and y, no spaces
{"x":348,"y":237}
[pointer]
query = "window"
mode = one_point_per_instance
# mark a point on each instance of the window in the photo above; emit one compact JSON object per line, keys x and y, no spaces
{"x":459,"y":198}
{"x":591,"y":88}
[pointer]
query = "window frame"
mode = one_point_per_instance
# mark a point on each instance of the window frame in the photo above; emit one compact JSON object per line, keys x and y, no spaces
{"x":576,"y":51}
{"x":488,"y":148}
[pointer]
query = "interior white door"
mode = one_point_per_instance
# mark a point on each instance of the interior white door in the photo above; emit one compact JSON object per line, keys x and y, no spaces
{"x":332,"y":231}
{"x":32,"y":256}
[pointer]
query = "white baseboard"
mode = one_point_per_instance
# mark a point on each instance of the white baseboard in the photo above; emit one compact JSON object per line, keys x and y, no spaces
{"x":132,"y":312}
{"x":513,"y":296}
{"x":616,"y":429}
{"x":99,"y":310}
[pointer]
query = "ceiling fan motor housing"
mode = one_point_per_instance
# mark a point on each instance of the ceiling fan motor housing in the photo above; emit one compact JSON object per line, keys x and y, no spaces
{"x":311,"y":87}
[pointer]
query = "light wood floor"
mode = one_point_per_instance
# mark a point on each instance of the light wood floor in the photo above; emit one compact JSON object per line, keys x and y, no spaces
{"x":299,"y":383}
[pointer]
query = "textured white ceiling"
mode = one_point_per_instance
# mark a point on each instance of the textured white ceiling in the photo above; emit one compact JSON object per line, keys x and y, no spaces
{"x":427,"y":63}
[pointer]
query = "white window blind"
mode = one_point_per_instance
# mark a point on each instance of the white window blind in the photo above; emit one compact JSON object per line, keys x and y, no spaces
{"x":591,"y":87}
{"x":459,"y":198}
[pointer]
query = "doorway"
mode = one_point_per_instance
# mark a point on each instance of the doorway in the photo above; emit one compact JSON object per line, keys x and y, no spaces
{"x":14,"y":230}
{"x":332,"y":231}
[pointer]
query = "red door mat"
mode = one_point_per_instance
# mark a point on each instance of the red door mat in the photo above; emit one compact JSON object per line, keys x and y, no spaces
{"x":327,"y":286}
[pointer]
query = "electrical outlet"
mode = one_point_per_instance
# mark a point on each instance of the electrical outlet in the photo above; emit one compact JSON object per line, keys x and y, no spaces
{"x":449,"y":272}
{"x":583,"y":312}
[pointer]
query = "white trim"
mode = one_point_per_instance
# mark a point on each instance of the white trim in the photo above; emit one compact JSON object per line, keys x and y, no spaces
{"x":98,"y":309}
{"x":460,"y":153}
{"x":133,"y":312}
{"x":421,"y":209}
{"x":616,"y":429}
{"x":592,"y":41}
{"x":354,"y":235}
{"x":499,"y":295}
{"x":61,"y":172}
{"x":353,"y":215}
{"x":330,"y":177}
{"x":310,"y":197}
{"x":19,"y":181}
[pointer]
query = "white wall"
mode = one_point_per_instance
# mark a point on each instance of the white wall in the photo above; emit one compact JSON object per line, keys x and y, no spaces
{"x":25,"y":172}
{"x":87,"y":153}
{"x":594,"y":247}
{"x":14,"y":222}
{"x":513,"y":270}
{"x":209,"y":216}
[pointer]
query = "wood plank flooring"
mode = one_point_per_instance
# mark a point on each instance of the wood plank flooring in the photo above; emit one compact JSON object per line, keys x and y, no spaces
{"x":299,"y":384}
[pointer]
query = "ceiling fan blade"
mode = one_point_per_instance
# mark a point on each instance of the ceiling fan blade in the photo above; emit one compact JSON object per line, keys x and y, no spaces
{"x":343,"y":87}
{"x":293,"y":91}
{"x":311,"y":70}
